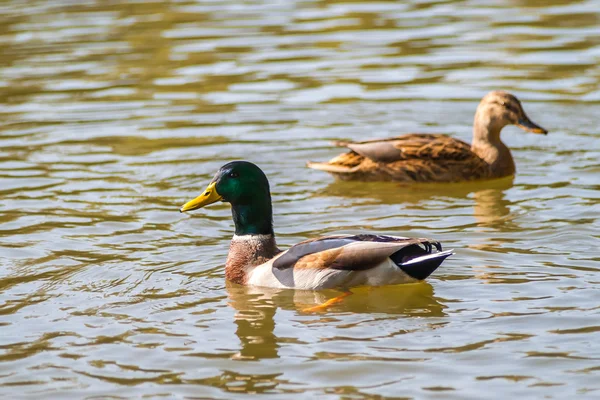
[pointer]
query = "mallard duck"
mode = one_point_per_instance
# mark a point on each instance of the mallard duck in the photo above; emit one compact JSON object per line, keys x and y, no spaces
{"x":340,"y":261}
{"x":419,"y":157}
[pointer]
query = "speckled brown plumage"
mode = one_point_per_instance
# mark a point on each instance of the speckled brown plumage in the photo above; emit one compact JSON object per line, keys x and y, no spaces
{"x":413,"y":157}
{"x":419,"y":157}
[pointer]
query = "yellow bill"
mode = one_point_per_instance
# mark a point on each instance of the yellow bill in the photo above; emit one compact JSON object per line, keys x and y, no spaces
{"x":209,"y":196}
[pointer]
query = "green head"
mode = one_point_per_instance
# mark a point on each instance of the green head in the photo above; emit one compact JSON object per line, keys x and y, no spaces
{"x":246,"y":187}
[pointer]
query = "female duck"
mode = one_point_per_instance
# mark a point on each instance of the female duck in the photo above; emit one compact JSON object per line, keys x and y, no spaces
{"x":421,"y":157}
{"x":326,"y":262}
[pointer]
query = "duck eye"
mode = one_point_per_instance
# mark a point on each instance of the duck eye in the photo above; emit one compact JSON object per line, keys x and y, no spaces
{"x":233,"y":175}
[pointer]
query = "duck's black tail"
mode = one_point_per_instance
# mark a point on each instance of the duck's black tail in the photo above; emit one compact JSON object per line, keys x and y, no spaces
{"x":419,"y":263}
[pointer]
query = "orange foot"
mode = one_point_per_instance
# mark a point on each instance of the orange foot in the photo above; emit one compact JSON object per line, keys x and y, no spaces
{"x":330,"y":302}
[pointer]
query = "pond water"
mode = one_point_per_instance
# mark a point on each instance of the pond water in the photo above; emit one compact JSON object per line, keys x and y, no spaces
{"x":113,"y":114}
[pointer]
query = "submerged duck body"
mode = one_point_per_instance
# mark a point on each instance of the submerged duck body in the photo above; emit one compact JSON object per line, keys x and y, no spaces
{"x":339,"y":261}
{"x":422,"y":157}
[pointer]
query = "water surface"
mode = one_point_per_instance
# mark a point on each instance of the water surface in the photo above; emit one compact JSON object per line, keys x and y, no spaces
{"x":112,"y":114}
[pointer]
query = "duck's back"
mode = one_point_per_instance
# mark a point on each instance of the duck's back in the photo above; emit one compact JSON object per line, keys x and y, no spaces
{"x":413,"y":157}
{"x":343,"y":261}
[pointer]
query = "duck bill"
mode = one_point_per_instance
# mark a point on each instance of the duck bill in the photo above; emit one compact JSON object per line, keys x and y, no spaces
{"x":527,"y":125}
{"x":209,"y":196}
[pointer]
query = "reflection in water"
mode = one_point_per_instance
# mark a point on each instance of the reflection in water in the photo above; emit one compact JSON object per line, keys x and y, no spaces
{"x":255,"y":310}
{"x":396,"y":193}
{"x":490,"y":206}
{"x":256,"y":307}
{"x":254,"y":318}
{"x":415,"y":300}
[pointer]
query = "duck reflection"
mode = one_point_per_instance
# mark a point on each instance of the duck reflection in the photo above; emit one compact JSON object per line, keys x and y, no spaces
{"x":491,"y":209}
{"x":414,"y":300}
{"x":256,"y":307}
{"x":254,"y":317}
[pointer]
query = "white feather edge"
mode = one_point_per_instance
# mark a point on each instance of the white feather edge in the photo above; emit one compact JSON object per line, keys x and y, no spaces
{"x":415,"y":260}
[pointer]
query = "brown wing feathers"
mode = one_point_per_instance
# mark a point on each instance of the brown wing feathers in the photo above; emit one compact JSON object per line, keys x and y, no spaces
{"x":412,"y":157}
{"x":354,"y":253}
